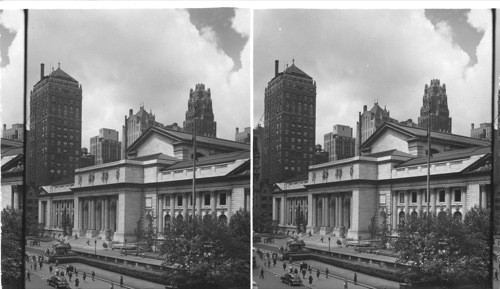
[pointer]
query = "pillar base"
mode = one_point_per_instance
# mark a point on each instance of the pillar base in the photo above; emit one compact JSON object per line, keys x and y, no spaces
{"x":79,"y":232}
{"x":120,"y":237}
{"x":325,"y":230}
{"x":90,"y":233}
{"x":105,"y":234}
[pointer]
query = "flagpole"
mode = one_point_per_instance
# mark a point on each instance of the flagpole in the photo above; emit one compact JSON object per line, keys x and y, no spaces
{"x":194,"y":163}
{"x":428,"y":155}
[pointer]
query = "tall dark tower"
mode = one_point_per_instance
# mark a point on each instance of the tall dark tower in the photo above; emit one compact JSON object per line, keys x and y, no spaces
{"x":438,"y":110}
{"x":54,"y":140}
{"x":290,"y":124}
{"x":200,"y":99}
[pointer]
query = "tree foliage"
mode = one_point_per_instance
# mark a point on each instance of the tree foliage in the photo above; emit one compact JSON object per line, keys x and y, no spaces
{"x":300,"y":221}
{"x":384,"y":230}
{"x":445,"y":247}
{"x":12,"y":259}
{"x":66,"y":223}
{"x":373,"y":227}
{"x":210,"y":250}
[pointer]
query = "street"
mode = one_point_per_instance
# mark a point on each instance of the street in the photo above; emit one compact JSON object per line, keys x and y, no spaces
{"x":102,"y":281}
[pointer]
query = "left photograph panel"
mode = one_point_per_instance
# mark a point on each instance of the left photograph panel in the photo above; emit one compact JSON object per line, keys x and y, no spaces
{"x":138,"y":148}
{"x":12,"y":106}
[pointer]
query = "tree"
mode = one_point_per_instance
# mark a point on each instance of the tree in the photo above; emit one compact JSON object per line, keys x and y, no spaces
{"x":300,"y":221}
{"x":150,"y":233}
{"x":373,"y":227}
{"x":140,"y":232}
{"x":210,"y":250}
{"x":384,"y":230}
{"x":12,"y":244}
{"x":66,"y":223}
{"x":446,"y":248}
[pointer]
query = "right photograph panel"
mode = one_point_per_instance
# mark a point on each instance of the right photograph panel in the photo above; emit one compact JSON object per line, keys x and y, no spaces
{"x":373,"y":138}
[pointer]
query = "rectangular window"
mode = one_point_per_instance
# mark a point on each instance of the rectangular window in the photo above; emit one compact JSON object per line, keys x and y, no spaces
{"x":222,"y":199}
{"x":442,"y":195}
{"x":167,"y":201}
{"x":179,"y":200}
{"x":458,"y":195}
{"x":414,"y":197}
{"x":401,"y":197}
{"x":207,"y":199}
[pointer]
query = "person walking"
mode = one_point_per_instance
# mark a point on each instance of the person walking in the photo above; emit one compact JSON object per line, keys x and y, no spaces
{"x":284,"y":266}
{"x":318,"y":273}
{"x":268,"y":263}
{"x":57,"y":271}
{"x":326,"y":272}
{"x":77,"y":282}
{"x":496,"y":274}
{"x":93,"y":275}
{"x":261,"y":273}
{"x":121,"y":281}
{"x":69,"y":275}
{"x":345,"y":284}
{"x":310,"y":269}
{"x":84,"y":276}
{"x":76,"y":272}
{"x":310,"y":279}
{"x":28,"y":275}
{"x":355,"y":278}
{"x":34,"y":266}
{"x":50,"y":268}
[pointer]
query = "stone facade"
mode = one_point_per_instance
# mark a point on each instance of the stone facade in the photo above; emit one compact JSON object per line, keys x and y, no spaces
{"x":200,"y":111}
{"x":435,"y":108}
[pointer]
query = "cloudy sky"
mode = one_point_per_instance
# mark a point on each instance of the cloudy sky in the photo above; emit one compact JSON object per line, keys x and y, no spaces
{"x":360,"y":56}
{"x":124,"y":58}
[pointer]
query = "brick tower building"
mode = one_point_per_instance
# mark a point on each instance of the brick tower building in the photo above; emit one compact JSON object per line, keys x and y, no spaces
{"x":438,"y":110}
{"x":200,"y":105}
{"x":290,"y":124}
{"x":54,"y":139}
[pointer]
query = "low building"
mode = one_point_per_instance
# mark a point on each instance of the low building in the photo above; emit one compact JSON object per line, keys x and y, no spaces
{"x":339,"y":143}
{"x":12,"y":173}
{"x":14,"y":133}
{"x":105,"y":147}
{"x":388,"y":181}
{"x":154,"y":182}
{"x":484,"y":131}
{"x":244,"y":136}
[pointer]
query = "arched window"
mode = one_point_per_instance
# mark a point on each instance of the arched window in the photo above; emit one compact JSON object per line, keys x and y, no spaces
{"x":223,"y":218}
{"x":179,"y":217}
{"x":457,"y":215}
{"x":414,"y":215}
{"x":401,"y":218}
{"x":442,"y":214}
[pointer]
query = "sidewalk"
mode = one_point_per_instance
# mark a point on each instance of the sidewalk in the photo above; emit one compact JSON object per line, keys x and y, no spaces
{"x":367,"y":280}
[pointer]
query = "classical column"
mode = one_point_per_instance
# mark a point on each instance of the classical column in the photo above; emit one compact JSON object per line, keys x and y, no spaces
{"x":407,"y":202}
{"x":213,"y":203}
{"x":172,"y":206}
{"x":76,"y":213}
{"x":484,"y":197}
{"x":80,"y":212}
{"x":199,"y":203}
{"x":102,"y":214}
{"x":342,"y":219}
{"x":229,"y":204}
{"x":40,"y":211}
{"x":310,"y":214}
{"x":160,"y":213}
{"x":106,"y":213}
{"x":433,"y":195}
{"x":394,"y":210}
{"x":419,"y":202}
{"x":92,"y":213}
{"x":448,"y":196}
{"x":185,"y":205}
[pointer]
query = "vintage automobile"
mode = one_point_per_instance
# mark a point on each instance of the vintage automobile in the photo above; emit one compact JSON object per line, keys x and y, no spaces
{"x":291,"y":279}
{"x":58,"y":282}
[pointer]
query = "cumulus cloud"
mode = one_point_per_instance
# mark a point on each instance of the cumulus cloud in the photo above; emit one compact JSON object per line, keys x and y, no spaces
{"x":241,"y":21}
{"x":360,"y":56}
{"x":12,"y":75}
{"x":121,"y":64}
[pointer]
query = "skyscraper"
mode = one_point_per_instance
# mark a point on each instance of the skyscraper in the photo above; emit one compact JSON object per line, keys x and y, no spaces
{"x":200,"y":105}
{"x":135,"y":125}
{"x":290,"y":124}
{"x":54,"y":140}
{"x":438,"y":110}
{"x":105,"y":147}
{"x":369,"y":121}
{"x":339,"y":143}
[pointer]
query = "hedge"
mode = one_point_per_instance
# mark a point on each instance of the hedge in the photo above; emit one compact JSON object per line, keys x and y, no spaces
{"x":384,"y":273}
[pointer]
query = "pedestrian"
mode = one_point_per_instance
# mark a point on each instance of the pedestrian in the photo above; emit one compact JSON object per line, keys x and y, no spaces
{"x":50,"y":268}
{"x":34,"y":266}
{"x":304,"y":273}
{"x":57,"y":271}
{"x":496,"y":274}
{"x":284,"y":266}
{"x":88,"y":242}
{"x":40,"y":263}
{"x":355,"y":278}
{"x":345,"y":283}
{"x":76,"y":272}
{"x":93,"y":275}
{"x":121,"y":281}
{"x":57,"y":263}
{"x":290,"y":260}
{"x":310,"y":279}
{"x":296,"y":271}
{"x":84,"y":276}
{"x":321,"y":239}
{"x":310,"y":269}
{"x":268,"y":263}
{"x":261,"y":273}
{"x":317,"y":273}
{"x":326,"y":272}
{"x":28,"y":275}
{"x":62,"y":273}
{"x":274,"y":262}
{"x":77,"y":282}
{"x":69,"y":275}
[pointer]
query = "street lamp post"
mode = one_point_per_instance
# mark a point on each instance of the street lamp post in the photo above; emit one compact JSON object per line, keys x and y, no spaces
{"x":329,"y":244}
{"x":95,"y":247}
{"x":194,"y":159}
{"x":428,"y":193}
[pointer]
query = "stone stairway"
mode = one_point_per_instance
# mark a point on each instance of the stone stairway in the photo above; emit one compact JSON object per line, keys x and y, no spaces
{"x":315,"y":240}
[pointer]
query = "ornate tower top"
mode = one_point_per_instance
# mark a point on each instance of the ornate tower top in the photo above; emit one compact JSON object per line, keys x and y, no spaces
{"x":200,"y":107}
{"x":435,"y":107}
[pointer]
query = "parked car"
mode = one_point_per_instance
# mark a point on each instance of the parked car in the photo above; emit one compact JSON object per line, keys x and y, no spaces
{"x":291,"y":279}
{"x":58,"y":282}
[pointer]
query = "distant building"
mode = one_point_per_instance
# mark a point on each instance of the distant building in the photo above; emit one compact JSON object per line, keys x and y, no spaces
{"x":174,"y":126}
{"x":105,"y":147}
{"x":12,"y":173}
{"x":438,"y":109}
{"x":243,"y":137}
{"x":14,"y":133}
{"x":200,"y":108}
{"x":369,"y":122}
{"x":339,"y":144}
{"x":135,"y":126}
{"x":484,"y":131}
{"x":320,"y":156}
{"x":86,"y":159}
{"x":409,"y":122}
{"x":262,"y":191}
{"x":54,"y":141}
{"x":290,"y":124}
